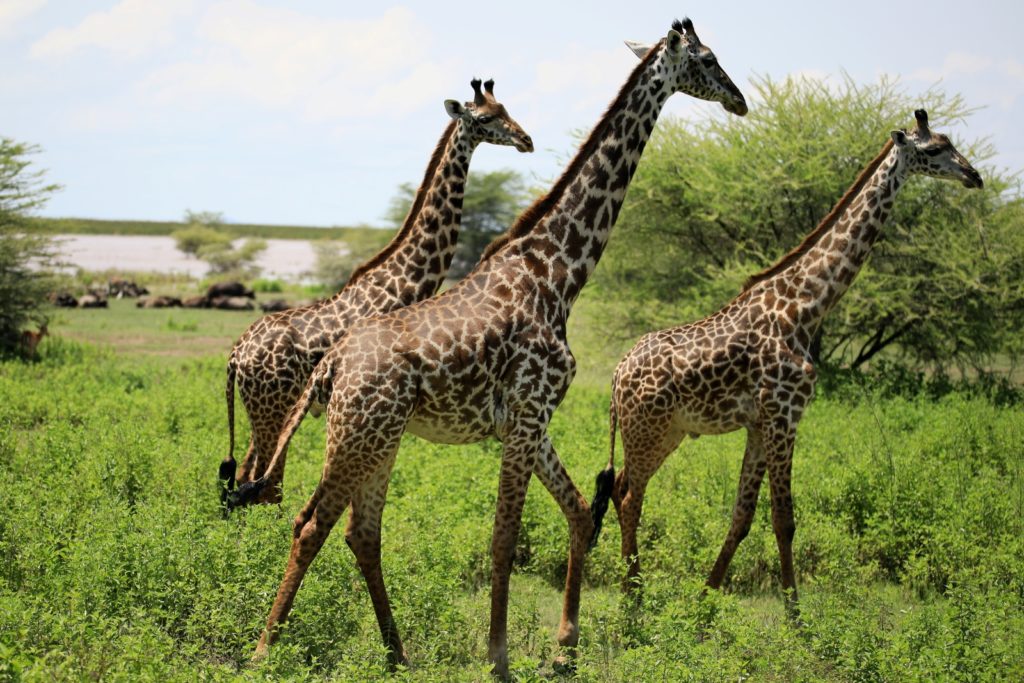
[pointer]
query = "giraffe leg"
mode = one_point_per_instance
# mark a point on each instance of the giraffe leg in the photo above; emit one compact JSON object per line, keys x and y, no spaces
{"x":746,"y":502}
{"x":363,"y":537}
{"x":245,"y":471}
{"x":783,"y":522}
{"x":265,"y":439}
{"x":642,"y":456}
{"x":517,"y":464}
{"x":362,"y":434}
{"x":311,"y":529}
{"x":552,"y":474}
{"x":632,"y":502}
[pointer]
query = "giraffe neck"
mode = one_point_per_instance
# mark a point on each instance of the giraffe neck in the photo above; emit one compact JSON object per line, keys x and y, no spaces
{"x":415,"y":263}
{"x":823,"y":272}
{"x":560,"y":238}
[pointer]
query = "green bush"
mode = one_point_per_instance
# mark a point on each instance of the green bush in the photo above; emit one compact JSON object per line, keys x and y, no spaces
{"x":26,"y":256}
{"x":719,"y":199}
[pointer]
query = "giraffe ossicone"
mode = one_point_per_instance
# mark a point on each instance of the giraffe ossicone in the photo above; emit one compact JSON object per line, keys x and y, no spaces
{"x":486,"y":358}
{"x":749,"y":365}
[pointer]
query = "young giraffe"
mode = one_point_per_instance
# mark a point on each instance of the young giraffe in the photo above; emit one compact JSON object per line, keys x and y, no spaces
{"x":749,"y":364}
{"x":276,"y":355}
{"x":489,"y":357}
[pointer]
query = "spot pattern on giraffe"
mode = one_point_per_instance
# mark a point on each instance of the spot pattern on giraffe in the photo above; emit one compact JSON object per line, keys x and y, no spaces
{"x":488,"y":357}
{"x":749,"y":365}
{"x":273,"y":358}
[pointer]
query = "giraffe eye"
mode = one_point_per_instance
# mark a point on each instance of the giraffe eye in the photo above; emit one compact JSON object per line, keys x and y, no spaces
{"x":485,"y":119}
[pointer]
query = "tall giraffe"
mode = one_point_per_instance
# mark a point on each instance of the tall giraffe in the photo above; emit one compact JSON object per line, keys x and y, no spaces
{"x":489,"y":357}
{"x":749,"y":364}
{"x":274,"y":357}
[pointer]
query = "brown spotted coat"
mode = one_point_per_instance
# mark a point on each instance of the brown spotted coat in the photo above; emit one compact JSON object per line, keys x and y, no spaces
{"x":749,"y":365}
{"x":487,"y":358}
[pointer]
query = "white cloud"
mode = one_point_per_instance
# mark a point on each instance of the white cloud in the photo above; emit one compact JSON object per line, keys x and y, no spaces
{"x":996,"y":81}
{"x":13,"y":11}
{"x":129,"y":29}
{"x":967,"y":64}
{"x":583,"y":81}
{"x":586,"y":78}
{"x":322,"y":68}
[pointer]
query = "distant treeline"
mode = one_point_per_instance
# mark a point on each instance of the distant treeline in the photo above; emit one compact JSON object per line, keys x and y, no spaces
{"x":90,"y":226}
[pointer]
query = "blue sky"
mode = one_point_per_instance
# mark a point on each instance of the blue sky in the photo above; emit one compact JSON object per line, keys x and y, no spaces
{"x":312,"y":112}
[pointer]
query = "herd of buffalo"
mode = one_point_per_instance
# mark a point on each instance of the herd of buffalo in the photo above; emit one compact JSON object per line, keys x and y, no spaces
{"x":228,"y":296}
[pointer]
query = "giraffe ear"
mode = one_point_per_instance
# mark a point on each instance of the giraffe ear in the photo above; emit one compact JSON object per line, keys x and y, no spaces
{"x":674,"y":42}
{"x":454,"y":108}
{"x":899,"y":137}
{"x":638,"y":48}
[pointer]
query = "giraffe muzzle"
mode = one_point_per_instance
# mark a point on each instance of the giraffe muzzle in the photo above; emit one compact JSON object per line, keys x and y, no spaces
{"x":737,"y":107}
{"x":972,"y":179}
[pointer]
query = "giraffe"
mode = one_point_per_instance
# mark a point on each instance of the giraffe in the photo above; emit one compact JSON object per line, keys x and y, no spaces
{"x":749,"y":365}
{"x":275,"y":356}
{"x":488,"y":357}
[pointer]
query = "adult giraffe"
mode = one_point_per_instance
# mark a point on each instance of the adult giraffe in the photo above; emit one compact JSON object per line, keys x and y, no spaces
{"x":486,"y":358}
{"x":749,"y":364}
{"x":274,"y":357}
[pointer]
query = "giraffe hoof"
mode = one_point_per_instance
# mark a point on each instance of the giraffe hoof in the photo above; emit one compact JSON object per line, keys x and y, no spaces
{"x":564,"y":665}
{"x":260,"y":654}
{"x":246,"y":494}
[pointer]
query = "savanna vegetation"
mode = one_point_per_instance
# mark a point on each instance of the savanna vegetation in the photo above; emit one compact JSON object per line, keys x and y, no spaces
{"x":117,"y":564}
{"x":203,"y":238}
{"x":718,"y":199}
{"x":26,"y":257}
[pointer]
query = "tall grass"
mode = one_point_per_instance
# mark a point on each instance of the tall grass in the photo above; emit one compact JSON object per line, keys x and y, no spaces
{"x":115,"y":563}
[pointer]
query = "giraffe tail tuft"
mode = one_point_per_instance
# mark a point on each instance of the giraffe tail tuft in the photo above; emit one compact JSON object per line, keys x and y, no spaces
{"x":228,"y":465}
{"x":599,"y":506}
{"x":605,"y":483}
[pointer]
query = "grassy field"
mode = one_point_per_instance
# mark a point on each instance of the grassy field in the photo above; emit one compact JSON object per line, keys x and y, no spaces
{"x":115,"y":563}
{"x":178,"y":332}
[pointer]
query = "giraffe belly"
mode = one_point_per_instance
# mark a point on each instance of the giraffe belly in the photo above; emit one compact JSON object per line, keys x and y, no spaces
{"x":712,"y":414}
{"x":450,"y":428}
{"x":453,"y":419}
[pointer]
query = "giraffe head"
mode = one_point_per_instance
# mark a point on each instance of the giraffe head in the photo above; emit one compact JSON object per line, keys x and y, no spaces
{"x":933,"y":154}
{"x":486,"y":119}
{"x":693,"y":69}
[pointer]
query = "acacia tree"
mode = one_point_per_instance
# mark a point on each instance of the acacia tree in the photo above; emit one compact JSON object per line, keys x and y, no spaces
{"x":26,"y":258}
{"x":716,"y":200}
{"x":203,"y":238}
{"x":492,"y":201}
{"x":336,"y":259}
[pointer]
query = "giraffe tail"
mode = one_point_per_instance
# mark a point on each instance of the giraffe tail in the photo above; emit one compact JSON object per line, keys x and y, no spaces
{"x":228,"y":464}
{"x":605,"y":483}
{"x":318,"y":389}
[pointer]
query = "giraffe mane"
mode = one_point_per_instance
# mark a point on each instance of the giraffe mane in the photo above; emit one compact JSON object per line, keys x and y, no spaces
{"x":529,"y":218}
{"x":414,"y":210}
{"x":826,"y":223}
